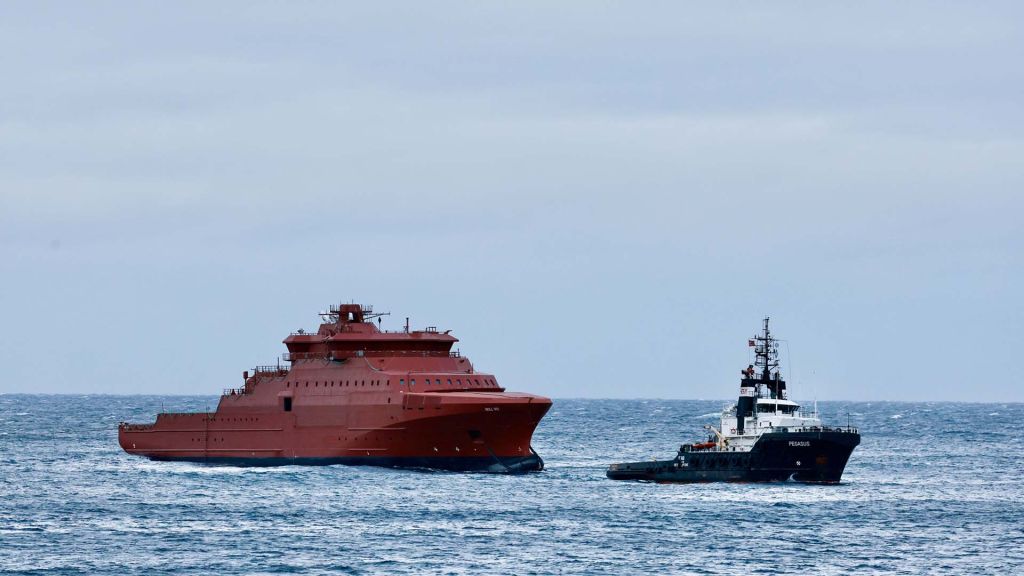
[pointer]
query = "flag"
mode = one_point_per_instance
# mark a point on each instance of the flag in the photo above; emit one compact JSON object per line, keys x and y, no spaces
{"x":750,"y":342}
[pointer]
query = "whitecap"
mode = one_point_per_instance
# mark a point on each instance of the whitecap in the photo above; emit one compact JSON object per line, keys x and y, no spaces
{"x":895,"y":416}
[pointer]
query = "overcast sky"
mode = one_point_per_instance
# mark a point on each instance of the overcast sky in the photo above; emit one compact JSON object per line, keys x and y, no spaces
{"x":599,"y":199}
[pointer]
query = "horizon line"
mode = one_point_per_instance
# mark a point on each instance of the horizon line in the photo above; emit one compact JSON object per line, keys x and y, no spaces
{"x":637,"y":398}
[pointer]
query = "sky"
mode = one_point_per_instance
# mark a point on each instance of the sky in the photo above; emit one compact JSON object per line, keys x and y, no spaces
{"x":599,"y":199}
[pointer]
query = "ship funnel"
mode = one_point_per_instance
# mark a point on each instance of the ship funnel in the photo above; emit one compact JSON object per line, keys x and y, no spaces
{"x":745,"y":404}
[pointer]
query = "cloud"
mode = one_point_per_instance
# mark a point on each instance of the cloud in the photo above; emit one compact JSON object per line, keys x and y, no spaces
{"x":842,"y":169}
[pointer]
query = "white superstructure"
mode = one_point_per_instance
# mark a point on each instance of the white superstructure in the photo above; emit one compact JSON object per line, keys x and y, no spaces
{"x":770,"y":415}
{"x":763,"y":404}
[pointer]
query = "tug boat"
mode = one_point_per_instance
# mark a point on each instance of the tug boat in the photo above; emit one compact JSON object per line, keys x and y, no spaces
{"x":764,"y":437}
{"x":356,"y":394}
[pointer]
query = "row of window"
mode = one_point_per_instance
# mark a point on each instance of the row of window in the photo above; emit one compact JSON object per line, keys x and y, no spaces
{"x":340,"y":383}
{"x":770,"y":408}
{"x":226,"y":419}
{"x":401,"y":382}
{"x":458,"y":382}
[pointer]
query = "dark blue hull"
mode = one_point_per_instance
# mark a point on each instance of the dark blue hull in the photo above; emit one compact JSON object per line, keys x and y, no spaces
{"x":818,"y":456}
{"x":488,"y":464}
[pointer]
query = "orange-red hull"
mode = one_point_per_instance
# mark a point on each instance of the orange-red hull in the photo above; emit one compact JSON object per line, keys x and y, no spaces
{"x":464,"y":431}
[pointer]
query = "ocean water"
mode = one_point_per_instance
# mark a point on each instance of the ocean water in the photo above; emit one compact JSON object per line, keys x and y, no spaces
{"x":934,"y":488}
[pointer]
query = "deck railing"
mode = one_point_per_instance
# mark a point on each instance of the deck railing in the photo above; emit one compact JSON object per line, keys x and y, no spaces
{"x":293,"y":356}
{"x":270,"y":371}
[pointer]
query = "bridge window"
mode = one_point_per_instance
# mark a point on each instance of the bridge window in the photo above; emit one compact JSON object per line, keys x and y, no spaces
{"x":401,"y":381}
{"x":449,"y":381}
{"x":438,"y":381}
{"x":412,"y":382}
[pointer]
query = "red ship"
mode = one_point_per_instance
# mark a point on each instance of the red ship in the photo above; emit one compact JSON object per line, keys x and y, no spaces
{"x":355,"y":394}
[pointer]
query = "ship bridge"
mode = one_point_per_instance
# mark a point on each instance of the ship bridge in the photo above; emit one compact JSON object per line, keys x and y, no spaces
{"x":348,"y":330}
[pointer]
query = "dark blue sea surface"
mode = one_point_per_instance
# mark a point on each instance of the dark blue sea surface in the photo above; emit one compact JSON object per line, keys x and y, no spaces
{"x":934,"y":488}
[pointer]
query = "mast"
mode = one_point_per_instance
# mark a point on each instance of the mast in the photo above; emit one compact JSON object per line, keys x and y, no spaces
{"x":766,"y":352}
{"x":751,"y":386}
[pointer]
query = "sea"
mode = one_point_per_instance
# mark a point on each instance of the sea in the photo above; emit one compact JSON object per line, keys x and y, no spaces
{"x":934,"y":488}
